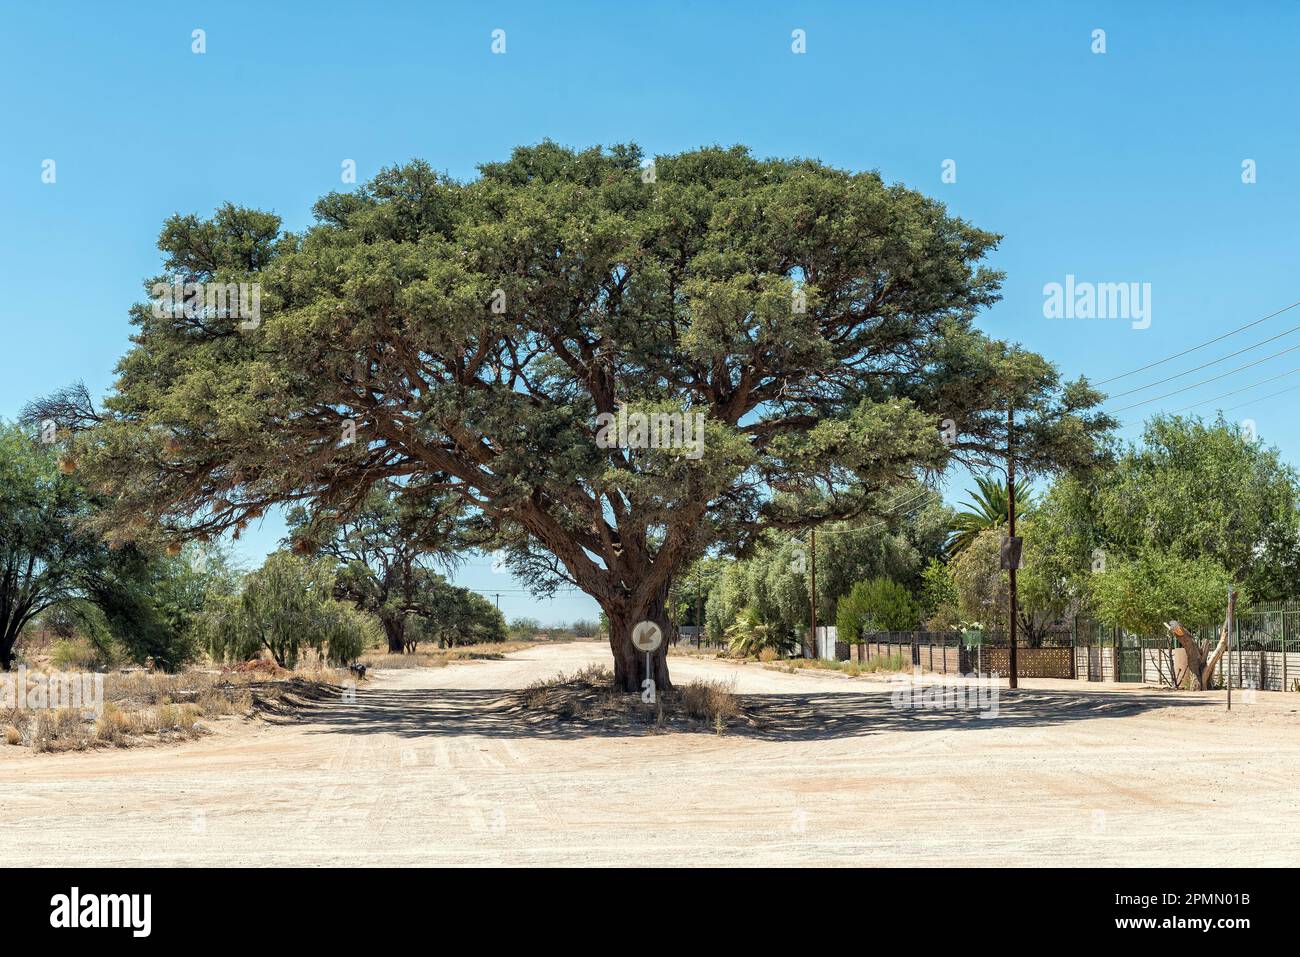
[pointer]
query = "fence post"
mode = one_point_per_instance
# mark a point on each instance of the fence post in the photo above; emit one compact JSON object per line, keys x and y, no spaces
{"x":1074,"y":641}
{"x":1283,"y":614}
{"x":1236,"y":640}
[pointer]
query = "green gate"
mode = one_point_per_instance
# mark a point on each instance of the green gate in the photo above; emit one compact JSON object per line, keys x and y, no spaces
{"x":1128,"y":658}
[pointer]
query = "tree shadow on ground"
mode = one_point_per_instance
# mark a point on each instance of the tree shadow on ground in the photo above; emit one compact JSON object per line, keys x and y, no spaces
{"x":498,"y":713}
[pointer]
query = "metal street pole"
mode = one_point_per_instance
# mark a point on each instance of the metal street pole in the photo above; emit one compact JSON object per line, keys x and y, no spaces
{"x":812,"y":549}
{"x":1231,"y":624}
{"x":1011,"y":522}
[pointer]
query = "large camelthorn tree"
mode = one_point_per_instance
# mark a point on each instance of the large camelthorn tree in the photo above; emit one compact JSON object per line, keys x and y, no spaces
{"x":471,"y":333}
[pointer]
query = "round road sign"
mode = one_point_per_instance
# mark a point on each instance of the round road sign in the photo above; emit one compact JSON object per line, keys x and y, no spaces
{"x":647,"y":636}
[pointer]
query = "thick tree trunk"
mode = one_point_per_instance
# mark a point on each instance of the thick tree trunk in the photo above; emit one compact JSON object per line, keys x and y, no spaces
{"x":9,"y":638}
{"x":629,"y":663}
{"x":395,"y":632}
{"x":1208,"y":676}
{"x":1202,"y":662}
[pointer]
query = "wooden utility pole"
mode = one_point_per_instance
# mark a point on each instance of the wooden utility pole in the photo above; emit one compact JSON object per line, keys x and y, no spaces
{"x":812,"y":558}
{"x":1011,"y":523}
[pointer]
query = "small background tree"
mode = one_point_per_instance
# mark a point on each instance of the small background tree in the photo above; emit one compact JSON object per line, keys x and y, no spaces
{"x":876,"y":604}
{"x":284,"y":607}
{"x":1141,"y":594}
{"x":386,"y":552}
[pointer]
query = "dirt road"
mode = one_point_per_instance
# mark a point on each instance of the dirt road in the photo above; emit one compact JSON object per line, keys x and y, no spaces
{"x":427,"y":768}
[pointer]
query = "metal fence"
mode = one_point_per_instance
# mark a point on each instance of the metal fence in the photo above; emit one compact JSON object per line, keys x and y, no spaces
{"x":952,"y":653}
{"x":693,"y":636}
{"x":1265,"y":651}
{"x":929,"y":651}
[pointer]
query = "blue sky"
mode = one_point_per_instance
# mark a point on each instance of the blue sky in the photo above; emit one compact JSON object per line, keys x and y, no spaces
{"x":1124,"y":166}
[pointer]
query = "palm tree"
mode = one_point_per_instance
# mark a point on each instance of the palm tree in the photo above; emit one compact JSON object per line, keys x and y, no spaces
{"x":988,"y":510}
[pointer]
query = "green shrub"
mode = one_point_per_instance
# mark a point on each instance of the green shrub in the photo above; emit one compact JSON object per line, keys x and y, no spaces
{"x":75,"y":654}
{"x":285,"y":606}
{"x":876,"y":604}
{"x":1141,"y":594}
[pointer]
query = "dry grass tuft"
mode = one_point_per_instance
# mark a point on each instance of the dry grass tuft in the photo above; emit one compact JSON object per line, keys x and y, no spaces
{"x":382,"y":660}
{"x":709,"y":700}
{"x":143,"y":706}
{"x":589,"y":697}
{"x":441,"y":657}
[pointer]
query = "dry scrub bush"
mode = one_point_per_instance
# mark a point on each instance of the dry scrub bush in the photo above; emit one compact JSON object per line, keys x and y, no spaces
{"x":589,"y":694}
{"x":61,"y":730}
{"x":712,"y":701}
{"x":141,"y":704}
{"x":571,"y":695}
{"x":75,"y":654}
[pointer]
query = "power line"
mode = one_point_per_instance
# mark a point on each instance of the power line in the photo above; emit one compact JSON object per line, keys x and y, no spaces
{"x":1216,"y":378}
{"x":1247,"y":388}
{"x":1208,"y":342}
{"x":1205,"y":365}
{"x":1261,"y":398}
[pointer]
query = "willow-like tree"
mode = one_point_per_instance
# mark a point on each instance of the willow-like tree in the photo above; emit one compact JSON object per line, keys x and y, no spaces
{"x":464,"y":337}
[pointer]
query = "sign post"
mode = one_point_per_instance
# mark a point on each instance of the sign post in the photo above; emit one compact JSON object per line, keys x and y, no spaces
{"x":647,"y":637}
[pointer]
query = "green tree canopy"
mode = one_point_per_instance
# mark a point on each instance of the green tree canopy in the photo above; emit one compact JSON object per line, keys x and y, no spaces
{"x":876,"y":604}
{"x":937,"y":597}
{"x":386,"y":551}
{"x":1141,"y":594}
{"x":1199,"y":490}
{"x":468,"y":335}
{"x":982,"y":586}
{"x":1190,"y":490}
{"x":52,"y":558}
{"x":46,"y":552}
{"x":454,"y":616}
{"x":284,"y":607}
{"x":775,"y":581}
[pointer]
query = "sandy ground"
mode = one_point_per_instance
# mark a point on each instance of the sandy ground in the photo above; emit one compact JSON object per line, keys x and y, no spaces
{"x":427,"y":768}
